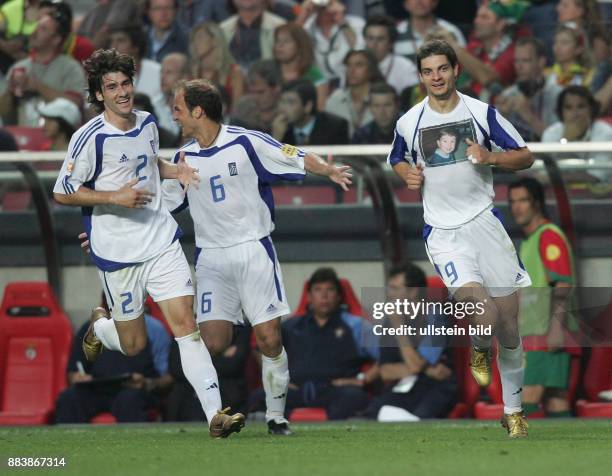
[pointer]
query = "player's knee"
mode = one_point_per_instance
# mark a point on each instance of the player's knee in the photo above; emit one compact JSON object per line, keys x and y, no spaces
{"x":133,"y":346}
{"x":270,"y":343}
{"x":215,"y":345}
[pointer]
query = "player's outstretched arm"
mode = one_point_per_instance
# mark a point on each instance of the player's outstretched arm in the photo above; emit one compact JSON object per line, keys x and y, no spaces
{"x":127,"y":196}
{"x":182,"y":171}
{"x":412,"y":176}
{"x":339,"y":174}
{"x":517,"y":159}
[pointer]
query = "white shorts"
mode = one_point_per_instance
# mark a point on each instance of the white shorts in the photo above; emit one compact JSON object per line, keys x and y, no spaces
{"x":243,"y":278}
{"x":164,"y":277}
{"x":479,"y":251}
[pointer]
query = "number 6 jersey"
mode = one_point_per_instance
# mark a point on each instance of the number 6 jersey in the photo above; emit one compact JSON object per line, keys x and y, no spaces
{"x":104,"y":158}
{"x":233,"y":203}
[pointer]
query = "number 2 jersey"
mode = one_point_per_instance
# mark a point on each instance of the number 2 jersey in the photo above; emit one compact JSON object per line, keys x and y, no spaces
{"x":454,"y":189}
{"x":102,"y":157}
{"x":233,"y":203}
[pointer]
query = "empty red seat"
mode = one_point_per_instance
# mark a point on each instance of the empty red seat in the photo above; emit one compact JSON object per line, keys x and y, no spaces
{"x":16,"y":201}
{"x":597,"y":378}
{"x":29,"y":138}
{"x":308,"y":415}
{"x":304,"y":195}
{"x":35,"y":337}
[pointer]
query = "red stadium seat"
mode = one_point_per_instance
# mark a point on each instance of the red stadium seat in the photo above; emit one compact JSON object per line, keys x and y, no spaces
{"x":304,"y":195}
{"x":16,"y":201}
{"x":35,"y":338}
{"x":308,"y":415}
{"x":597,"y":378}
{"x":106,"y":418}
{"x":29,"y":138}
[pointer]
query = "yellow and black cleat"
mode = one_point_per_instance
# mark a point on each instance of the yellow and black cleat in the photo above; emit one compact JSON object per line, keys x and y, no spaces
{"x":92,"y":346}
{"x":223,"y":425}
{"x":480,"y":365}
{"x":516,"y":424}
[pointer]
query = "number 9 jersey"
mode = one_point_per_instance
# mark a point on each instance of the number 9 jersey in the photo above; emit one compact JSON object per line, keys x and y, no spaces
{"x":104,"y":158}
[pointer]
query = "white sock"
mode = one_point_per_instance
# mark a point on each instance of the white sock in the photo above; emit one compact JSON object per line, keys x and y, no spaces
{"x":275,"y":377}
{"x":511,"y":371}
{"x":200,"y":372}
{"x":106,"y":331}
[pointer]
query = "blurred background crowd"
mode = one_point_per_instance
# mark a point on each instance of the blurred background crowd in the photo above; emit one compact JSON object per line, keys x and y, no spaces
{"x":314,"y":72}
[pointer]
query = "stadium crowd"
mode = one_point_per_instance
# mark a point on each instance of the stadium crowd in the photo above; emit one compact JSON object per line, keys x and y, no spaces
{"x":315,"y":72}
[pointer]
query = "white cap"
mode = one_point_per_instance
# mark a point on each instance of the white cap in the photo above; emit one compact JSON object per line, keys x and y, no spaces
{"x":62,"y":108}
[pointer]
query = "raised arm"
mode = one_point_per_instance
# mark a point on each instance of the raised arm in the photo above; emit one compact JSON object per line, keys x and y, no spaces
{"x":339,"y":174}
{"x":127,"y":196}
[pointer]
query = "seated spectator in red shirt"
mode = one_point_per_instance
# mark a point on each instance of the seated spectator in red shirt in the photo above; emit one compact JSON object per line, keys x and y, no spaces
{"x":77,"y":46}
{"x":489,"y":57}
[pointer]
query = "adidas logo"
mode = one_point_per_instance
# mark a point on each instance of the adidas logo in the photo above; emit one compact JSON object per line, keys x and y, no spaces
{"x":214,"y":385}
{"x":282,"y":395}
{"x":519,"y":276}
{"x":518,"y":391}
{"x":271,"y":308}
{"x":123,"y":159}
{"x":189,"y":283}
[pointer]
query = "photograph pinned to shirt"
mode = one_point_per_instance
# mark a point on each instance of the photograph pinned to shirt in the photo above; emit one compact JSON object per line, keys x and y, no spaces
{"x":445,"y":144}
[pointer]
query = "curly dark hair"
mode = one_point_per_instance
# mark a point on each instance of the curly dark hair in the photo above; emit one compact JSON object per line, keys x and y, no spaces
{"x":103,"y":62}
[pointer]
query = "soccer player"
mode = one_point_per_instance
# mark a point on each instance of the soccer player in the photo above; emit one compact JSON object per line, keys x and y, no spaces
{"x":113,"y":172}
{"x":233,"y":213}
{"x":464,"y":237}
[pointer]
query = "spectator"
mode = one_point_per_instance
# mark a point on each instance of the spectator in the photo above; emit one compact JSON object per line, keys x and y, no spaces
{"x":258,"y":109}
{"x":422,"y":22}
{"x":334,"y":34}
{"x":572,"y":60}
{"x":586,"y":15}
{"x":546,"y":310}
{"x":380,"y":37}
{"x":174,"y":67}
{"x":351,"y":102}
{"x":42,"y":77}
{"x":529,"y":104}
{"x":384,"y":107}
{"x":132,"y":41}
{"x":77,"y":46}
{"x":164,"y":34}
{"x":416,"y":370}
{"x":577,"y":111}
{"x":107,"y":15}
{"x":294,"y":54}
{"x":61,"y":119}
{"x":17,"y":22}
{"x":326,"y":353}
{"x":182,"y":403}
{"x":250,"y":32}
{"x":167,"y":139}
{"x":299,"y":122}
{"x":129,"y":401}
{"x":194,"y":12}
{"x":212,"y":60}
{"x":489,"y":57}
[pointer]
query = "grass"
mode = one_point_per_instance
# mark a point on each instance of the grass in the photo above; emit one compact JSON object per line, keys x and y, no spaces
{"x":560,"y":447}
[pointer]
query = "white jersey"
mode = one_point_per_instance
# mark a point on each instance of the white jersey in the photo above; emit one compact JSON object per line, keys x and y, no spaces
{"x":454,"y":189}
{"x":102,"y":157}
{"x":233,"y":203}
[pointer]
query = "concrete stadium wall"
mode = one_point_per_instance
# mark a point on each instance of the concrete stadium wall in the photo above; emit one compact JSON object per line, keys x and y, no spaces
{"x":82,"y":286}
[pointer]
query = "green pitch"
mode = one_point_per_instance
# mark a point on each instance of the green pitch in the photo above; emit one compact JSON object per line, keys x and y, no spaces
{"x":567,"y":447}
